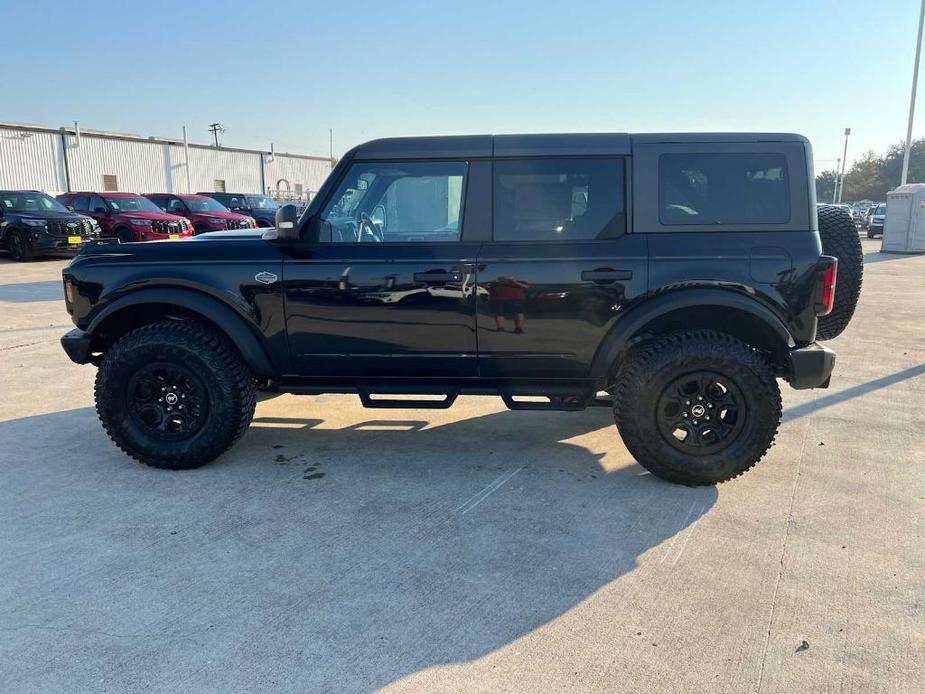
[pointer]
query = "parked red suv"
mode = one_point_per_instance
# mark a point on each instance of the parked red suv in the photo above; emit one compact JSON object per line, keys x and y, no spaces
{"x":205,"y":213}
{"x":128,"y":216}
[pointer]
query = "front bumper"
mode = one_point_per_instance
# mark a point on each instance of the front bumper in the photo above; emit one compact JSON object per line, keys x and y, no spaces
{"x":46,"y":244}
{"x":76,"y":344}
{"x":811,"y":367}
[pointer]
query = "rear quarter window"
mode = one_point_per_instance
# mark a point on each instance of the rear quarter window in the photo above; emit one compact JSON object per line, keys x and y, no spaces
{"x":723,"y":188}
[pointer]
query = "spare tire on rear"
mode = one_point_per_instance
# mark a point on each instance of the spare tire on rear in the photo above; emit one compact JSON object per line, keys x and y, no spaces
{"x":840,"y":239}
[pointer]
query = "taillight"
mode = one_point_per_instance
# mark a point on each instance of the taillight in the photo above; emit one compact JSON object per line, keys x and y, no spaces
{"x":827,"y":301}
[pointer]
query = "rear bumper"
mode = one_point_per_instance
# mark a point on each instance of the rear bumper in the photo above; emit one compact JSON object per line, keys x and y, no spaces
{"x":76,"y":344}
{"x":811,"y":367}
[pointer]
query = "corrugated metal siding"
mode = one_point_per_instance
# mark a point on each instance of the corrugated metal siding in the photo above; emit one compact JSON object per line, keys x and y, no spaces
{"x":145,"y":166}
{"x":31,"y":162}
{"x":281,"y":169}
{"x":140,"y":167}
{"x":239,"y":170}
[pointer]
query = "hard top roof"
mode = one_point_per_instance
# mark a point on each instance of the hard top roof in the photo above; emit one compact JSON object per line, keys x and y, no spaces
{"x":560,"y":144}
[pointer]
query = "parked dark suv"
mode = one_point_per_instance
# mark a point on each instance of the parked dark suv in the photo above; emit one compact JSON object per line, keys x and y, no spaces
{"x":673,"y":278}
{"x":33,"y":224}
{"x":206,"y":214}
{"x":261,"y":207}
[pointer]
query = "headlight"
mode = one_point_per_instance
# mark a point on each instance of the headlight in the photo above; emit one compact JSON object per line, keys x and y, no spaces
{"x":34,"y":222}
{"x":140,"y":222}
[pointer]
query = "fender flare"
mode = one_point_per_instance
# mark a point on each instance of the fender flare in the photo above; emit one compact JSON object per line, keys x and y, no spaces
{"x":637,"y":318}
{"x":228,"y":320}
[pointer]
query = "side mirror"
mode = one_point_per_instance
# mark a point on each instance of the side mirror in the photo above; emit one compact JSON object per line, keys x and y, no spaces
{"x":287,"y":219}
{"x":378,"y":215}
{"x":70,"y":207}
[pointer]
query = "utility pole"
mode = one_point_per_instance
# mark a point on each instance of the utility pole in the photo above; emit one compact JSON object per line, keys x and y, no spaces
{"x":331,"y":138}
{"x":844,"y":161}
{"x":215,"y":129}
{"x":915,"y":79}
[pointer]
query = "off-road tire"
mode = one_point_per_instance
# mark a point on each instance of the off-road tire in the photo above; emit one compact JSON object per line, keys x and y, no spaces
{"x":20,"y":246}
{"x":648,"y":370}
{"x":228,"y":382}
{"x":840,"y":238}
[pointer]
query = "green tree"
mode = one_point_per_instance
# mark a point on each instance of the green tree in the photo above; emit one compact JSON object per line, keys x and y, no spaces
{"x":865,"y":181}
{"x":825,"y":186}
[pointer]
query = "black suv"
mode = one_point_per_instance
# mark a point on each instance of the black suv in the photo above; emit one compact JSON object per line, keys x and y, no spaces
{"x":33,"y":223}
{"x":261,"y":207}
{"x":673,"y":278}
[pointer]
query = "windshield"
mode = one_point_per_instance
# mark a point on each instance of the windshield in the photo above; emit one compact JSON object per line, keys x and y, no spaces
{"x":30,"y":202}
{"x":261,"y":202}
{"x":133,"y":204}
{"x":881,"y":210}
{"x":204,"y":205}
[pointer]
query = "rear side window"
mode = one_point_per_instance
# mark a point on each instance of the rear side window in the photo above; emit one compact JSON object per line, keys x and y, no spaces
{"x":724,"y":188}
{"x":558,"y":199}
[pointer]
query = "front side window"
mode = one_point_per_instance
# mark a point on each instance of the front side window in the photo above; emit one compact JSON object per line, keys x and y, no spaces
{"x":396,"y":203}
{"x":558,"y":199}
{"x":724,"y":188}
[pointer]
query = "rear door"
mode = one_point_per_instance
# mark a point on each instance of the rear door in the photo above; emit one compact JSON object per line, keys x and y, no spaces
{"x":560,"y":268}
{"x":384,"y":284}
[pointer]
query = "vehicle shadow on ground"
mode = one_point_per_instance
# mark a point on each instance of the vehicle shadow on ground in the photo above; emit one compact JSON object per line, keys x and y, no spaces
{"x":334,"y":559}
{"x":27,"y":292}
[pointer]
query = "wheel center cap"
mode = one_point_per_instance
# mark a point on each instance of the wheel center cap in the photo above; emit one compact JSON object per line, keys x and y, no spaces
{"x":171,"y":399}
{"x":696,"y":410}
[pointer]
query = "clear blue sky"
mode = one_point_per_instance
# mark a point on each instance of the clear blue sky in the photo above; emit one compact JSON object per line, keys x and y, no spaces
{"x":284,"y":72}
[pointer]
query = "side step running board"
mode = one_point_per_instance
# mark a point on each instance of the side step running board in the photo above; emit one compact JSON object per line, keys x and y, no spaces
{"x":545,"y":398}
{"x":367,"y":394}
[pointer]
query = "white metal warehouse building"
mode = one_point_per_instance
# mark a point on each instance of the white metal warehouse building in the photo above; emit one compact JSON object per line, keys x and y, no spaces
{"x":57,"y":160}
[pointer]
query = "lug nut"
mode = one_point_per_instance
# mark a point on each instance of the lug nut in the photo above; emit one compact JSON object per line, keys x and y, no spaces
{"x":710,"y":405}
{"x":687,"y":402}
{"x":700,"y":397}
{"x":684,"y":414}
{"x":695,"y":421}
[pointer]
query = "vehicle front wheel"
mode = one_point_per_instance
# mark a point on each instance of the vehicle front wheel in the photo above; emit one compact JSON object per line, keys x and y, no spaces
{"x":174,"y":394}
{"x":125,"y":235}
{"x":21,"y":246}
{"x":697,"y":407}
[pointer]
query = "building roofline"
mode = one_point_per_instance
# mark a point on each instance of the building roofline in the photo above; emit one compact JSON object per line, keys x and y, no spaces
{"x":131,"y":137}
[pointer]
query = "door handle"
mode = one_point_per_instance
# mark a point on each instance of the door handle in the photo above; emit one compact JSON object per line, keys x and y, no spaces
{"x":438,"y":276}
{"x":605,"y":275}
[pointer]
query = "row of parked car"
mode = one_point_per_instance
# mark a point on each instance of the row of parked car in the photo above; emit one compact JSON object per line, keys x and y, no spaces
{"x":33,"y":223}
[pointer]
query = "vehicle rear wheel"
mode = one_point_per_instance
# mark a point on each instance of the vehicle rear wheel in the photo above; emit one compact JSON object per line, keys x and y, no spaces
{"x":696,"y":407}
{"x":21,"y":246}
{"x":174,"y":394}
{"x":840,"y":239}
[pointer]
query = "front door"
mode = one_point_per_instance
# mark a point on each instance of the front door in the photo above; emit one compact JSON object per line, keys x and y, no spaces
{"x":560,"y":268}
{"x":383,"y":282}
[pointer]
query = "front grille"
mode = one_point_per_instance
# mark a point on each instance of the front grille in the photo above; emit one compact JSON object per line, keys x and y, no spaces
{"x":161,"y":226}
{"x":233,"y":224}
{"x":69,"y":227}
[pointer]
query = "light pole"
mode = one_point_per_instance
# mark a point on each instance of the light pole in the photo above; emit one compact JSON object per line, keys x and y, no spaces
{"x":844,"y":161}
{"x":835,"y":189}
{"x":915,"y":79}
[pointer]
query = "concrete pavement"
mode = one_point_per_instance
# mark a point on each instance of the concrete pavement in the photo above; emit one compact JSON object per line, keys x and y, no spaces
{"x":468,"y":550}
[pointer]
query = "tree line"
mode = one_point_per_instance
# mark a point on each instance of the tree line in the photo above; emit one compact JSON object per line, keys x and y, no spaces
{"x":872,"y":176}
